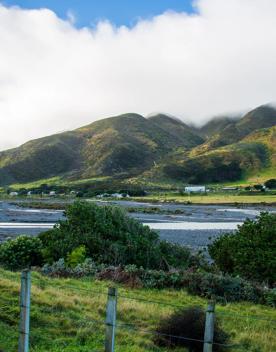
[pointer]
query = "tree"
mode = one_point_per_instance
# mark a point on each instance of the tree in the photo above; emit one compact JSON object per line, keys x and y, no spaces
{"x":21,"y":252}
{"x":271,"y":183}
{"x":109,"y":236}
{"x":250,"y":251}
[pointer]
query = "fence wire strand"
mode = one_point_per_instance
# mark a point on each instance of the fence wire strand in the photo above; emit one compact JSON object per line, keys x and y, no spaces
{"x":133,"y":327}
{"x":141,"y":299}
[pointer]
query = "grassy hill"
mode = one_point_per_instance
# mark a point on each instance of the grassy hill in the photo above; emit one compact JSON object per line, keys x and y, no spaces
{"x":224,"y":131}
{"x":64,"y":311}
{"x":236,"y":149}
{"x":129,"y":145}
{"x":215,"y":125}
{"x":125,"y":144}
{"x":228,"y":163}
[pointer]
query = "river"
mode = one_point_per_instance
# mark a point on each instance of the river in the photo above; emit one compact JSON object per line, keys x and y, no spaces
{"x":195,"y":227}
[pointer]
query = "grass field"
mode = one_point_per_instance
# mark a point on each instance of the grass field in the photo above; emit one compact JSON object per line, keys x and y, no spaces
{"x":211,"y":198}
{"x":155,"y":197}
{"x":63,"y":313}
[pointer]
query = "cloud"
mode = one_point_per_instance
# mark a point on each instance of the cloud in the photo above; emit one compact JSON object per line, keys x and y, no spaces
{"x":55,"y":77}
{"x":71,"y":16}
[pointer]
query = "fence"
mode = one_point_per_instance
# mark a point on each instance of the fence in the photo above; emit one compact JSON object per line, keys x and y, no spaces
{"x":111,"y":324}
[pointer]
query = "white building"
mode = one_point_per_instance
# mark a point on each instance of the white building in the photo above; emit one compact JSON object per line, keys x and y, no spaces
{"x":195,"y":189}
{"x":13,"y":194}
{"x":230,"y":188}
{"x":52,"y":193}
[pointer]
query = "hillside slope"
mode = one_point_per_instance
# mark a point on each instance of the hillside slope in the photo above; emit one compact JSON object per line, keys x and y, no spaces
{"x":232,"y":162}
{"x":124,"y":144}
{"x":224,"y":131}
{"x":129,"y":145}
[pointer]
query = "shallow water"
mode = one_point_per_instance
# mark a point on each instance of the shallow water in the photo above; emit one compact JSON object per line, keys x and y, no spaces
{"x":189,"y":225}
{"x":196,"y":226}
{"x":24,"y":225}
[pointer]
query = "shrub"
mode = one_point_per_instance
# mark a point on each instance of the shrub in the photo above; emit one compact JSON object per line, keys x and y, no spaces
{"x":61,"y":269}
{"x":224,"y":288}
{"x":270,"y":297}
{"x":271,"y":183}
{"x":258,"y":187}
{"x":188,"y":323}
{"x":20,"y":253}
{"x":77,"y":256}
{"x":110,"y":237}
{"x":177,"y":256}
{"x":250,"y":251}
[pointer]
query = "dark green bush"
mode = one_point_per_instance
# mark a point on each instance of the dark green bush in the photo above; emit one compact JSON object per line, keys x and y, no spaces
{"x":188,"y":323}
{"x":270,"y":297}
{"x":224,"y":287}
{"x":20,"y":253}
{"x":110,"y":237}
{"x":258,"y":187}
{"x":250,"y":251}
{"x":271,"y":183}
{"x":177,"y":256}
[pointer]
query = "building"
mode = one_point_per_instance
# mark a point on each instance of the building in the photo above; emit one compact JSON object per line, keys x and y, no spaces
{"x":13,"y":194}
{"x":230,"y":188}
{"x":195,"y":189}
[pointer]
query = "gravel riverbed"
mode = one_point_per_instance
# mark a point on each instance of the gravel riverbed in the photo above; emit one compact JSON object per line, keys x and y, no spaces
{"x":192,"y":225}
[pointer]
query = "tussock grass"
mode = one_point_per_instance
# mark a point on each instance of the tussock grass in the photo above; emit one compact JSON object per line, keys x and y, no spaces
{"x":64,"y":311}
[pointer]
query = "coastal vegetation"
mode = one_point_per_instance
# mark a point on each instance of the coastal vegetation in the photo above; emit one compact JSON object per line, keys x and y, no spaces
{"x":103,"y":242}
{"x":95,"y":247}
{"x":250,"y":251}
{"x":110,"y":237}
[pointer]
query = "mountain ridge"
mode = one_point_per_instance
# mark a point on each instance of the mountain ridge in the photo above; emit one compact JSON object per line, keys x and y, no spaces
{"x":127,"y":145}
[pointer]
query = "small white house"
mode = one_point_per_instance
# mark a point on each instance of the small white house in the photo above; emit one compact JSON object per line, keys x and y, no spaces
{"x":52,"y":193}
{"x":117,"y":195}
{"x":195,"y":189}
{"x":13,"y":194}
{"x":230,"y":188}
{"x":29,"y":193}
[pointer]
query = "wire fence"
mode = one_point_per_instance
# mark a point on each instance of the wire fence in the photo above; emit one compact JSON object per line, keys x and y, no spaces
{"x":109,"y":320}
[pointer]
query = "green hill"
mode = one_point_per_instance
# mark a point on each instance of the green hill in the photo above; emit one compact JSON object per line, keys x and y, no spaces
{"x":41,"y":158}
{"x":177,"y":129}
{"x":215,"y":125}
{"x":129,"y":145}
{"x":232,"y":162}
{"x":224,"y":131}
{"x":121,"y":145}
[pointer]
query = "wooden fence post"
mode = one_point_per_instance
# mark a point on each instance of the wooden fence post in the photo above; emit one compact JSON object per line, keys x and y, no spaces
{"x":209,"y":327}
{"x":110,"y":321}
{"x":25,"y":301}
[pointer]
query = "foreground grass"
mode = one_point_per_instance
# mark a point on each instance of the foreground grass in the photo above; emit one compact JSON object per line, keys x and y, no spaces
{"x":63,"y":314}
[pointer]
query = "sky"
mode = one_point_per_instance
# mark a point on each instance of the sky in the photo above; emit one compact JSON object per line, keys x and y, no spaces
{"x":64,"y":64}
{"x":119,"y":12}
